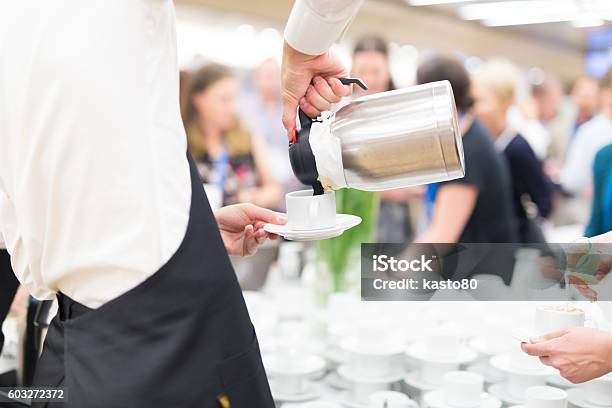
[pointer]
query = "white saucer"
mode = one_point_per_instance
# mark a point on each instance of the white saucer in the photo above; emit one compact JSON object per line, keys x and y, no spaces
{"x":345,"y":372}
{"x":335,"y":381}
{"x":491,"y":375}
{"x":276,"y":364}
{"x":413,"y":380}
{"x":312,"y":391}
{"x":435,"y":399}
{"x":343,"y":223}
{"x":499,"y":391}
{"x":575,"y":396}
{"x":504,"y":363}
{"x":418,"y":351}
{"x":346,"y":399}
{"x":489,"y":346}
{"x":354,"y":345}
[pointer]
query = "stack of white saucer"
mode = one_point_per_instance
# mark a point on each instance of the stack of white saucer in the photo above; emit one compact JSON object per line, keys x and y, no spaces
{"x":544,"y":397}
{"x":461,"y":389}
{"x":593,"y":394}
{"x":435,"y":356}
{"x":379,"y":399}
{"x":488,"y":346}
{"x":522,"y":372}
{"x":291,"y":376}
{"x":374,"y":363}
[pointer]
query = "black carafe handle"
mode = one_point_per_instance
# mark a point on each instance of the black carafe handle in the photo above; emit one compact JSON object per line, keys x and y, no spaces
{"x":306,"y":121}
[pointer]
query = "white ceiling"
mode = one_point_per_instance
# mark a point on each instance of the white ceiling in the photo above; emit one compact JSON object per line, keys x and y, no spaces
{"x":564,"y":32}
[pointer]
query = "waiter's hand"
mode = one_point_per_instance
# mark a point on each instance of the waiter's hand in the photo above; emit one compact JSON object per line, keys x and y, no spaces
{"x":241,"y":227}
{"x":579,"y":353}
{"x":310,"y":82}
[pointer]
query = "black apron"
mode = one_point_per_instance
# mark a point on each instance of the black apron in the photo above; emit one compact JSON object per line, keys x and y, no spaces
{"x":182,"y":338}
{"x":8,"y":288}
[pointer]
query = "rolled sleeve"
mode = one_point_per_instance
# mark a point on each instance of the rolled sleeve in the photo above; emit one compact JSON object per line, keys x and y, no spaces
{"x":314,"y":25}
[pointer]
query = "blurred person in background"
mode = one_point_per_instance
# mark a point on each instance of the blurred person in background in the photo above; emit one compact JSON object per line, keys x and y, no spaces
{"x":495,"y":92}
{"x":576,"y":176}
{"x":601,"y":210}
{"x":601,"y":213}
{"x":371,"y":64}
{"x":262,"y":112}
{"x":581,"y":106}
{"x":585,"y":97}
{"x":478,"y":207}
{"x":226,"y":154}
{"x":548,"y":99}
{"x":523,"y":116}
{"x":557,"y":114}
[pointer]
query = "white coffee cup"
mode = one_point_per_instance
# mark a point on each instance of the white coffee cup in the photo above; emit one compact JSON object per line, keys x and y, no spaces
{"x":599,"y":391}
{"x":553,"y":318}
{"x":545,"y":397}
{"x":306,"y":211}
{"x":391,"y":399}
{"x":463,"y":389}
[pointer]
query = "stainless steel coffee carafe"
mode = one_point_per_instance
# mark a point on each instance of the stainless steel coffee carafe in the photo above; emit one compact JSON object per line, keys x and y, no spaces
{"x":382,"y":141}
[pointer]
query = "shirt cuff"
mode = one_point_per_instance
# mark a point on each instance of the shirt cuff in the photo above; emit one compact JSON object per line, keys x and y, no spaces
{"x":309,"y":33}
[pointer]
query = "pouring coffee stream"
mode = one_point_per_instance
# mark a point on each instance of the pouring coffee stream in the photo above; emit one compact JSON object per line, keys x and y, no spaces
{"x":381,"y":141}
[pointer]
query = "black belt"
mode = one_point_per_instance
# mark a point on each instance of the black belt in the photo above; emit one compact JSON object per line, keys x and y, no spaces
{"x":70,"y":308}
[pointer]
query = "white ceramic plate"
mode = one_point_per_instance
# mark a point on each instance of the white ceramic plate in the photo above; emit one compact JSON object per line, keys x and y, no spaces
{"x":347,"y":400}
{"x":504,"y":363}
{"x":575,"y":397}
{"x":278,"y":365}
{"x":413,"y":380}
{"x":345,"y":371}
{"x":420,"y":352}
{"x":382,"y":348}
{"x":343,"y":223}
{"x":491,"y":375}
{"x":312,"y":391}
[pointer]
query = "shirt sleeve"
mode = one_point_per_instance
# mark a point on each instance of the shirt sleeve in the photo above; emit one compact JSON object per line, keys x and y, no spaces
{"x":314,"y":25}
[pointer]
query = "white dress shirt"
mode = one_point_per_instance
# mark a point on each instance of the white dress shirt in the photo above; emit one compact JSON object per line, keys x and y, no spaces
{"x":314,"y":25}
{"x":577,"y":171}
{"x":94,"y":182}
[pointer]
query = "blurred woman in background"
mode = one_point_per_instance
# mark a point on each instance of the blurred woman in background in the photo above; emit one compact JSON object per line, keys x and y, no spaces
{"x":478,"y":207}
{"x":371,"y":64}
{"x":226,"y":154}
{"x":494,"y":93}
